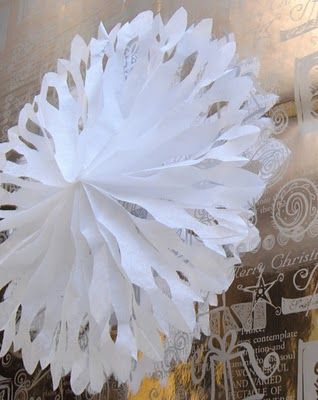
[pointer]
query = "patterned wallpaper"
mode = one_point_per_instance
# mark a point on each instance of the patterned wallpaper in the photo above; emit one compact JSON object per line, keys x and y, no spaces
{"x":269,"y":316}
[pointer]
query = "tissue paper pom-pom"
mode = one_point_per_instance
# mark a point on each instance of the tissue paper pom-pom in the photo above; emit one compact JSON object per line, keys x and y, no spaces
{"x":144,"y":132}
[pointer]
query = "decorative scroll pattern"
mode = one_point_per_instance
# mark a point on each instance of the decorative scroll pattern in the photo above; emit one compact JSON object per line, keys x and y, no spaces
{"x":295,"y":208}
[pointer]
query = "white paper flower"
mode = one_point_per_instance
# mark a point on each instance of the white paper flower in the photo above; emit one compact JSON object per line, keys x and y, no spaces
{"x":143,"y":132}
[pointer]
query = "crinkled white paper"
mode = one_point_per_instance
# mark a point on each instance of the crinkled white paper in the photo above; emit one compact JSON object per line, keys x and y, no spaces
{"x":146,"y":131}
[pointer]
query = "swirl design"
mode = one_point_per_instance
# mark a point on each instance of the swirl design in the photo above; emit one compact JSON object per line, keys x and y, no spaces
{"x":280,"y":120}
{"x":6,"y":361}
{"x":171,"y":357}
{"x":181,"y":340}
{"x":177,"y":350}
{"x":305,"y":277}
{"x":273,"y":159}
{"x":22,"y":380}
{"x":295,"y":208}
